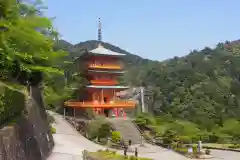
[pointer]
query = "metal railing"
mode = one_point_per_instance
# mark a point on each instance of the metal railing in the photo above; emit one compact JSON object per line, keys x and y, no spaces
{"x":142,"y":134}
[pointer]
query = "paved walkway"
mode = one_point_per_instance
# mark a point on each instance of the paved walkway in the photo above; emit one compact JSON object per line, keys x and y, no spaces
{"x":69,"y":145}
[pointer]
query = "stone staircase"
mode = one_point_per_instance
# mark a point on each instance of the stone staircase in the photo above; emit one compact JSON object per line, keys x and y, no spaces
{"x":127,"y":129}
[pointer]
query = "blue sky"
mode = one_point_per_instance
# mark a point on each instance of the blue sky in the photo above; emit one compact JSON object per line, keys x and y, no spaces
{"x":154,"y":29}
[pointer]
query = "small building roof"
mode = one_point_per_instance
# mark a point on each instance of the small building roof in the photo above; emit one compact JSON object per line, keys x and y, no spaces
{"x":103,"y":51}
{"x":108,"y":87}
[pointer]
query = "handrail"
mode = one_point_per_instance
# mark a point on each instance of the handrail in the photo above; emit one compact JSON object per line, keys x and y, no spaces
{"x":104,"y":64}
{"x":141,"y":132}
{"x":111,"y":66}
{"x":110,"y":82}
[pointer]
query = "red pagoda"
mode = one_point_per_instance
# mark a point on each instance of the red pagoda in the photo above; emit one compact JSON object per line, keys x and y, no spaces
{"x":103,"y":67}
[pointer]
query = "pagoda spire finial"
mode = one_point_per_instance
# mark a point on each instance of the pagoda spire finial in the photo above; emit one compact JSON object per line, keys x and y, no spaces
{"x":99,"y":32}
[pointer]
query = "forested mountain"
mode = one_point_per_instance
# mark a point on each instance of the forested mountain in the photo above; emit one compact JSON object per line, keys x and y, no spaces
{"x":203,"y":87}
{"x":76,"y":50}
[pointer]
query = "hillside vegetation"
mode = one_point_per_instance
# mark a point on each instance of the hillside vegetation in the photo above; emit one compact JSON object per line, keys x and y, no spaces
{"x":202,"y":87}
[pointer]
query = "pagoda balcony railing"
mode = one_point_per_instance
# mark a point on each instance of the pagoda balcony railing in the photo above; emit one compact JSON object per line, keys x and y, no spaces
{"x":105,"y":66}
{"x":104,"y":82}
{"x":97,"y":104}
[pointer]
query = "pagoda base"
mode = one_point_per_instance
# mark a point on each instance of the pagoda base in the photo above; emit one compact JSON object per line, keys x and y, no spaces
{"x":83,"y":113}
{"x":112,"y":104}
{"x":109,"y":109}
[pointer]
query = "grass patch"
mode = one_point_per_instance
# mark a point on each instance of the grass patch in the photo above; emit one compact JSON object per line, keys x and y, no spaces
{"x":214,"y":145}
{"x":111,"y":155}
{"x":219,"y":146}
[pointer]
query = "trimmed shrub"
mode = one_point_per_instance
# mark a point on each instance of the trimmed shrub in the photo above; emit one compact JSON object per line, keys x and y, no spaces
{"x":204,"y":137}
{"x":214,"y":138}
{"x":53,"y":130}
{"x":195,"y":139}
{"x":116,"y":137}
{"x":181,"y":150}
{"x":104,"y":131}
{"x":195,"y":149}
{"x":185,"y":140}
{"x":169,"y":136}
{"x":225,"y":139}
{"x":98,"y":129}
{"x":234,"y":146}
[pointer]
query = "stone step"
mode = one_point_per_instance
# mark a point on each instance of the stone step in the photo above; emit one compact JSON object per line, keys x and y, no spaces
{"x":127,"y":130}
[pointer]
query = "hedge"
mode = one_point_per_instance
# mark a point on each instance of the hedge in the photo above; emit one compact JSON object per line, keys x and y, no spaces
{"x":12,"y":103}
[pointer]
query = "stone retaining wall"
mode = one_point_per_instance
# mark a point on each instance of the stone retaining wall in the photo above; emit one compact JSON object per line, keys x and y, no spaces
{"x":29,"y":138}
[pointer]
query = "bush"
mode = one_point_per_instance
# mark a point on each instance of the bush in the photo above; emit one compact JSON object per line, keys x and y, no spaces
{"x":195,"y":139}
{"x":214,"y":138}
{"x":204,"y":137}
{"x":175,"y":145}
{"x":169,"y":136}
{"x":116,"y":137}
{"x":145,"y":119}
{"x":185,"y":140}
{"x":104,"y":131}
{"x":224,"y":139}
{"x":53,"y":130}
{"x":181,"y":150}
{"x":195,"y":149}
{"x":140,"y":122}
{"x":234,"y":146}
{"x":12,"y":103}
{"x":98,"y":129}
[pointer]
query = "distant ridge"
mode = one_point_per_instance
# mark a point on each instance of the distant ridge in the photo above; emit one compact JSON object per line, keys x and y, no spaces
{"x":76,"y":49}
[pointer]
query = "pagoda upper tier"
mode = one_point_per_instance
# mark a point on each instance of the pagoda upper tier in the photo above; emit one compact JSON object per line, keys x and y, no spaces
{"x":101,"y":59}
{"x":103,"y":67}
{"x":100,"y":50}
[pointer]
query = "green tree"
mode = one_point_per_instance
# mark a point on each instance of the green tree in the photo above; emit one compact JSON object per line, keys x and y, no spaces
{"x":26,"y":46}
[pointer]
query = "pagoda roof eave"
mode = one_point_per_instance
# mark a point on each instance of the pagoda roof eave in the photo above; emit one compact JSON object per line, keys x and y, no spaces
{"x":100,"y":50}
{"x":107,"y":87}
{"x":106,"y":71}
{"x":104,"y":87}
